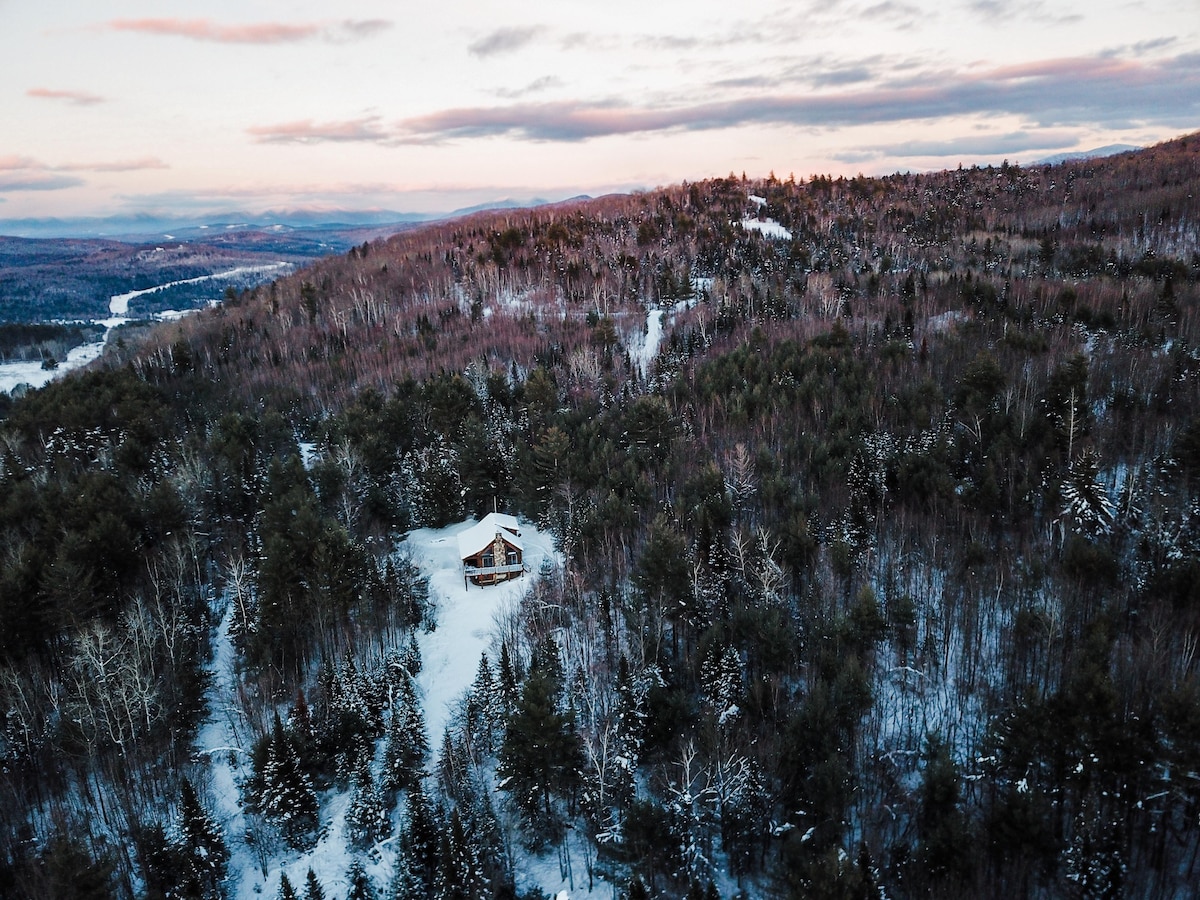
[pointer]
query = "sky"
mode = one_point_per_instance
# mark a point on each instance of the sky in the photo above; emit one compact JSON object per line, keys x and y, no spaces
{"x":136,"y":107}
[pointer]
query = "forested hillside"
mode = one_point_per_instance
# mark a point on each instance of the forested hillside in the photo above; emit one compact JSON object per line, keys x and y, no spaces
{"x":878,"y":503}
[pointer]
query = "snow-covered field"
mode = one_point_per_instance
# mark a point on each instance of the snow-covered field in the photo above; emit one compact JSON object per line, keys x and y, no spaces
{"x":466,"y":626}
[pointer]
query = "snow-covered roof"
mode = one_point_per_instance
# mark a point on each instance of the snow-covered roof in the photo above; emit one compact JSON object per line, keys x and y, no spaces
{"x":479,"y":537}
{"x":504,"y":520}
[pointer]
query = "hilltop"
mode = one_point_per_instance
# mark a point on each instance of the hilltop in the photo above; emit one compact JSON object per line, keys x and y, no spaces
{"x":874,"y":506}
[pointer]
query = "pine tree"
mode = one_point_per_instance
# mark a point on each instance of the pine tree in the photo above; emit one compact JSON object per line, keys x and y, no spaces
{"x":407,"y":743}
{"x":420,"y":844}
{"x":541,"y":754}
{"x":482,"y":706}
{"x":721,"y":677}
{"x":288,"y":799}
{"x":366,"y":818}
{"x":312,"y":887}
{"x":405,"y":883}
{"x":508,"y":679}
{"x":460,"y":875}
{"x":201,"y":846}
{"x":453,"y":766}
{"x":361,"y":886}
{"x":286,"y":891}
{"x":160,"y":861}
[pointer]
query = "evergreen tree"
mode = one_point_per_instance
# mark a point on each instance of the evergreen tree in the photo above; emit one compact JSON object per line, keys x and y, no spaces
{"x":201,"y":845}
{"x":420,"y":843}
{"x":366,"y":818}
{"x":541,"y":752}
{"x":453,"y":766}
{"x":361,"y":886}
{"x":483,"y":706}
{"x":460,"y":874}
{"x":405,"y":883}
{"x":288,"y":799}
{"x":312,"y":887}
{"x":160,"y":862}
{"x":73,"y":873}
{"x":286,"y":891}
{"x":508,"y":679}
{"x":407,"y":745}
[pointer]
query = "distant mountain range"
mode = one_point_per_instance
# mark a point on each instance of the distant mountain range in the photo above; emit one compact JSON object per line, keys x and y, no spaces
{"x":149,"y":226}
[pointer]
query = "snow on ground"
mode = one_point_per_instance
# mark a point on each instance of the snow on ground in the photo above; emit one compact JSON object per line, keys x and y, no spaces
{"x":466,"y":625}
{"x":466,"y":614}
{"x":220,"y":741}
{"x":945,"y":321}
{"x":643,"y":354}
{"x":32,"y":374}
{"x":308,"y":453}
{"x":118,"y":304}
{"x":769,"y":228}
{"x":758,"y":201}
{"x":644,"y":345}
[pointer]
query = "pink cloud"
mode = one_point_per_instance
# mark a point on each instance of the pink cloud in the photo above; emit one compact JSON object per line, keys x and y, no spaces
{"x":17,"y":163}
{"x":252,"y":33}
{"x":309,"y":132}
{"x":129,"y":165}
{"x":1089,"y":90}
{"x":37,"y":181}
{"x":78,"y":98}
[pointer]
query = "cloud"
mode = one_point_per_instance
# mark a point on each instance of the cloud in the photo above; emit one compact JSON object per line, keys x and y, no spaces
{"x":77,"y":98}
{"x":253,"y":33}
{"x":364,"y":28}
{"x":972,"y":146}
{"x":545,"y":83}
{"x":1095,"y":91}
{"x":37,"y":181}
{"x":310,"y":132}
{"x":1030,"y":10}
{"x":22,"y":173}
{"x":131,"y":165}
{"x":503,"y":40}
{"x":16,"y":163}
{"x":840,"y":76}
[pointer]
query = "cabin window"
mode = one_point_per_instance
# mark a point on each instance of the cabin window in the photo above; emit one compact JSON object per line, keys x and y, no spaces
{"x":512,"y":557}
{"x":488,"y":560}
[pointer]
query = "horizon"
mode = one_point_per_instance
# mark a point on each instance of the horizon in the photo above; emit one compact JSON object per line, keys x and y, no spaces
{"x":259,"y":107}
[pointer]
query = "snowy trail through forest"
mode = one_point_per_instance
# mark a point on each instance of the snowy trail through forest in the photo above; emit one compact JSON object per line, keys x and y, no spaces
{"x":467,"y":618}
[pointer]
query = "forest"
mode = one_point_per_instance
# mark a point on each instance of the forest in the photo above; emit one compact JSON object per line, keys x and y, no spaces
{"x":877,"y":510}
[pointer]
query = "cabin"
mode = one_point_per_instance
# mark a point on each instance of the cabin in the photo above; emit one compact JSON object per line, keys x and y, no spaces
{"x":492,"y":551}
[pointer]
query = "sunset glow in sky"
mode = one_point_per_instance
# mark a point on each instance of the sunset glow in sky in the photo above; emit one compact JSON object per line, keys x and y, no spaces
{"x":210,"y":106}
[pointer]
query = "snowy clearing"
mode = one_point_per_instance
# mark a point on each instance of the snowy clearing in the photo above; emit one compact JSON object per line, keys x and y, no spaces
{"x":466,"y":615}
{"x":769,"y":228}
{"x":466,"y":620}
